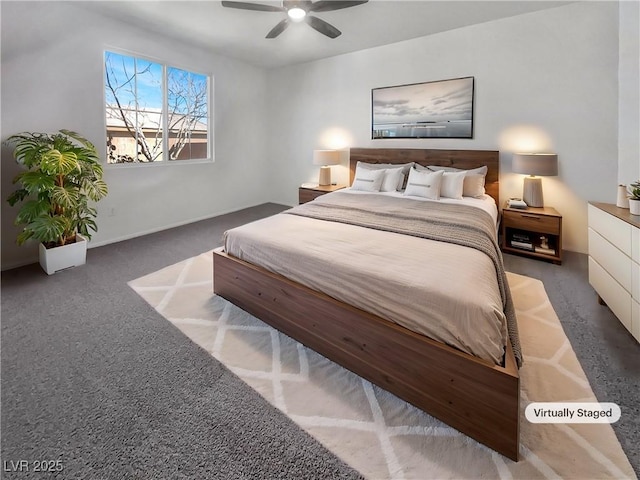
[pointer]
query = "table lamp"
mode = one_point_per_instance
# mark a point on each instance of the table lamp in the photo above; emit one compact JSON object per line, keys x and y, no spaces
{"x":325,"y":158}
{"x":543,"y":164}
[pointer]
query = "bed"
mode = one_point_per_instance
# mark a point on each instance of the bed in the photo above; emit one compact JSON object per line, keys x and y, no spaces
{"x":472,"y":391}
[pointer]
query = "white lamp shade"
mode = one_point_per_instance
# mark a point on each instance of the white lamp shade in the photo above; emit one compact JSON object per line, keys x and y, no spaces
{"x":544,"y":164}
{"x":326,"y":157}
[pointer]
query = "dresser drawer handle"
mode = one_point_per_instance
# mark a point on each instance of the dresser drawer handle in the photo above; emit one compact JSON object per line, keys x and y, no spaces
{"x":530,"y":216}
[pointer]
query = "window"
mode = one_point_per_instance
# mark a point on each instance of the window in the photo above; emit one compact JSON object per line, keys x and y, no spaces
{"x":154,"y":112}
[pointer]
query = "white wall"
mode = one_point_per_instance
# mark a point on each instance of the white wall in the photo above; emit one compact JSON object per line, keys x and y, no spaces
{"x":52,"y":54}
{"x":629,"y":99}
{"x":545,"y":81}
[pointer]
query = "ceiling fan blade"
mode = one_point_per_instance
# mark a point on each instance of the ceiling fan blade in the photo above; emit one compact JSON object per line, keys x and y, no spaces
{"x":252,"y":6}
{"x":278,"y":29}
{"x":322,"y":26}
{"x":329,"y":5}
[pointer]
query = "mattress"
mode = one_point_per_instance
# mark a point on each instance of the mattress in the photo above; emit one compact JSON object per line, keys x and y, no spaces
{"x":445,"y":291}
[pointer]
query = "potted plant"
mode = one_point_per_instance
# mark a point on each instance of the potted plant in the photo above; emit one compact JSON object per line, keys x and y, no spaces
{"x":634,"y":198}
{"x":63,"y":174}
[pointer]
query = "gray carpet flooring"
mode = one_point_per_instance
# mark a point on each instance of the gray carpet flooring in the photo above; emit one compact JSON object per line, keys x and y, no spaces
{"x":94,"y":377}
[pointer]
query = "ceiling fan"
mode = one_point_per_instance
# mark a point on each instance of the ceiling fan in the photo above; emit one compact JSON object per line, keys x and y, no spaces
{"x":298,"y":11}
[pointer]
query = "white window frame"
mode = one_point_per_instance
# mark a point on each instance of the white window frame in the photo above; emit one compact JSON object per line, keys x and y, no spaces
{"x":210,"y":158}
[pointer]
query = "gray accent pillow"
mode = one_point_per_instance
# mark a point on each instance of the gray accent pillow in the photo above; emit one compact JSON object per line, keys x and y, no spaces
{"x":393,"y":180}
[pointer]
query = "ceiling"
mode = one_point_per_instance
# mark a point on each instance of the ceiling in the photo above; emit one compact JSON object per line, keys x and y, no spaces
{"x":240,"y":33}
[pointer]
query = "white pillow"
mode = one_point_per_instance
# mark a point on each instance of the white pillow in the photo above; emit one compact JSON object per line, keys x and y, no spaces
{"x":393,"y":180}
{"x":474,"y":179}
{"x":405,"y":167}
{"x":368,"y":180}
{"x":424,"y":184}
{"x":452,"y":184}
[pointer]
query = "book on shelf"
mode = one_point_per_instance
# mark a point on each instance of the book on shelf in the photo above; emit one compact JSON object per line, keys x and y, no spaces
{"x":522,"y":245}
{"x":521,"y":237}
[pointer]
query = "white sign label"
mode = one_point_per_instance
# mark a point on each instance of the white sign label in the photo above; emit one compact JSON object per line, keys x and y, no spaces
{"x":572,"y":412}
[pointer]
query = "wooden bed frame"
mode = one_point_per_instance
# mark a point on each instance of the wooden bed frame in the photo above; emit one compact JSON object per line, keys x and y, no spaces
{"x":470,"y":394}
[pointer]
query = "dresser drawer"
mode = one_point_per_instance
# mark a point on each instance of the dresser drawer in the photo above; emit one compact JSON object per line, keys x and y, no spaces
{"x":532,"y":222}
{"x":616,"y":297}
{"x":616,"y":263}
{"x":614,"y":229}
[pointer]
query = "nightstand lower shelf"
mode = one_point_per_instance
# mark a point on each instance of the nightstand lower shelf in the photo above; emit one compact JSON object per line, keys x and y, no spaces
{"x":542,"y":256}
{"x":532,"y":232}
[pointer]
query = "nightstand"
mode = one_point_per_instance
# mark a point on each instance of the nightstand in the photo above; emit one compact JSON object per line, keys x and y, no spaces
{"x":306,"y":194}
{"x":533,"y":232}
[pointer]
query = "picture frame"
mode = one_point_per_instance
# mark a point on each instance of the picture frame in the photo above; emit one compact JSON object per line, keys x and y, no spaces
{"x":437,"y":109}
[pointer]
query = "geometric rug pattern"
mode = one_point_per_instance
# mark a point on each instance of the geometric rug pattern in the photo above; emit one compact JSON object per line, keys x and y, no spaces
{"x":375,"y":432}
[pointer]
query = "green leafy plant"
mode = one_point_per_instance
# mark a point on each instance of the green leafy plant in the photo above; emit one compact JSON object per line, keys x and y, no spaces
{"x":634,"y":190}
{"x":63,"y":174}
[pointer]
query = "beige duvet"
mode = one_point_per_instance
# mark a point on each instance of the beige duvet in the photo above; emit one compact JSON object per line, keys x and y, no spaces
{"x":445,"y":291}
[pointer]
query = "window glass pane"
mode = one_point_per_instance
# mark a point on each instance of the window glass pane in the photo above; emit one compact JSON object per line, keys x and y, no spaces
{"x":149,"y":103}
{"x":179,"y":137}
{"x":187,"y":97}
{"x":200,"y":139}
{"x":119,"y":79}
{"x":148,"y":85}
{"x":189,"y":139}
{"x":150,"y":136}
{"x":133,"y":96}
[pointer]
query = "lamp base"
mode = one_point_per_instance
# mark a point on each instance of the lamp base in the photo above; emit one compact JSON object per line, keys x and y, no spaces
{"x":532,"y":192}
{"x":325,"y":175}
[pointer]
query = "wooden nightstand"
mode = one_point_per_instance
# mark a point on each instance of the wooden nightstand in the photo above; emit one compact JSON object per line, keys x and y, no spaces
{"x":306,"y":194}
{"x":533,"y":232}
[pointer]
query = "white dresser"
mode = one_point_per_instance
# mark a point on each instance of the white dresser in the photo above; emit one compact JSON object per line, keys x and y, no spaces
{"x":614,"y":261}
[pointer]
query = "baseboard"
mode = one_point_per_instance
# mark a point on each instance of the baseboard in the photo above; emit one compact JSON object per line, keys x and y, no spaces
{"x":23,"y":263}
{"x":94,"y":244}
{"x":167,"y":227}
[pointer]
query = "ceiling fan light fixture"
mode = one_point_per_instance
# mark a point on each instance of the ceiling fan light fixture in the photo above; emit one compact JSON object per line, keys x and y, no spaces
{"x":296,"y":14}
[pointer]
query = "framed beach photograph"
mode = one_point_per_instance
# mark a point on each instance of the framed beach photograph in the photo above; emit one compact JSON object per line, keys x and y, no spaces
{"x":442,"y":109}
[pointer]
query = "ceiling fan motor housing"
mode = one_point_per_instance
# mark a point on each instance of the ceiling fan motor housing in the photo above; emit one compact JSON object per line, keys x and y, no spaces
{"x":288,"y":4}
{"x":298,"y":10}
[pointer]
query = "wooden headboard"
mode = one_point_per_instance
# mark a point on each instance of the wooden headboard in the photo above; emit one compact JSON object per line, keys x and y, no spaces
{"x":464,"y":159}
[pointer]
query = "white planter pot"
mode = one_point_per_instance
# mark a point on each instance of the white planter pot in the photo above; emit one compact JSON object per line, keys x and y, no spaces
{"x":53,"y":260}
{"x":634,"y":207}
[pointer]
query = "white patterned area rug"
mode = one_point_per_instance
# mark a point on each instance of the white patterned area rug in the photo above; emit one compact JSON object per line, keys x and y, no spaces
{"x":374,"y":431}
